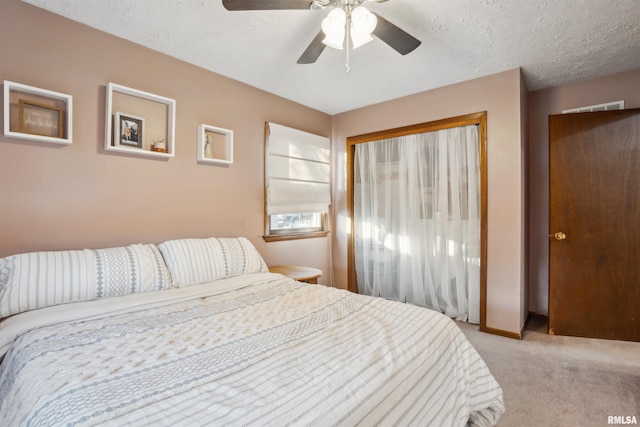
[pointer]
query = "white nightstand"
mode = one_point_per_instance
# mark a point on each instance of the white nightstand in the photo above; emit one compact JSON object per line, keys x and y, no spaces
{"x":299,"y":273}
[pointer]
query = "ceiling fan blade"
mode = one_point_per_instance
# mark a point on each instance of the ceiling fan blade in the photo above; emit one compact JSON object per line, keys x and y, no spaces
{"x":398,"y":39}
{"x":313,"y":51}
{"x":235,"y":5}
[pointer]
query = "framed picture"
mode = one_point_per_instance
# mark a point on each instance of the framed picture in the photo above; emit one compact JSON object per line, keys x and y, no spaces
{"x":40,"y":119}
{"x":215,"y":145}
{"x":128,"y":130}
{"x":37,"y":114}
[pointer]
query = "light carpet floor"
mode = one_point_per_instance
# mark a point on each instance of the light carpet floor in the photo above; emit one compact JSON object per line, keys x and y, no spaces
{"x":561,"y":381}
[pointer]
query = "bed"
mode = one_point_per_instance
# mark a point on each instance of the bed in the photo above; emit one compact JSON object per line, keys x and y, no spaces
{"x":198,"y":332}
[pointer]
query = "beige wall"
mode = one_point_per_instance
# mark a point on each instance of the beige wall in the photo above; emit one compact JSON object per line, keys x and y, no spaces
{"x":62,"y":197}
{"x":524,"y":213}
{"x":500,"y":95}
{"x":542,"y":103}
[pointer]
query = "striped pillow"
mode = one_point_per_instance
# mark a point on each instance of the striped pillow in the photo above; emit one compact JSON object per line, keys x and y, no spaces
{"x":40,"y":279}
{"x":194,"y":261}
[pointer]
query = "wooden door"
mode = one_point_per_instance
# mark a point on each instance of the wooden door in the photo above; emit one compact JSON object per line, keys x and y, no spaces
{"x":594,"y":250}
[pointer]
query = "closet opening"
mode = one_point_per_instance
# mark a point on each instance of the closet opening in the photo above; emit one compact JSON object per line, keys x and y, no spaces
{"x":417,"y":204}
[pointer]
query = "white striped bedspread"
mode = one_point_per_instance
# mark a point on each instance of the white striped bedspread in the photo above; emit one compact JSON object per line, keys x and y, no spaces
{"x":271,"y":352}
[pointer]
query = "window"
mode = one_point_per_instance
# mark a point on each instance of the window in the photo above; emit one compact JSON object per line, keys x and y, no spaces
{"x":297,"y":183}
{"x":296,"y":222}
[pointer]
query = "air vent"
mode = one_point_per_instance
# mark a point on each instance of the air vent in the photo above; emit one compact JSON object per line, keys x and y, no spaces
{"x":617,"y":105}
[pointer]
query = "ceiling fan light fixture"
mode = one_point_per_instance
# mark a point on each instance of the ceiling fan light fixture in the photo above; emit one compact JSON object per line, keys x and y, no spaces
{"x":347,"y":26}
{"x":333,"y":27}
{"x":363,"y":23}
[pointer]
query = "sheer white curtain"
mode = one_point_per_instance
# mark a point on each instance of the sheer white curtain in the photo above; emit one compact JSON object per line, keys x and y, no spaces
{"x":417,"y":220}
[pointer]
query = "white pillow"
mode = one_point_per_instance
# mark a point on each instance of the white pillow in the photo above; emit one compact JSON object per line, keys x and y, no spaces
{"x":194,"y":261}
{"x":40,"y":279}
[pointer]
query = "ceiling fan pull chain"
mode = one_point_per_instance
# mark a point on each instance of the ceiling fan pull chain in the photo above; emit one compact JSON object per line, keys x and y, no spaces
{"x":347,"y":39}
{"x":348,"y":68}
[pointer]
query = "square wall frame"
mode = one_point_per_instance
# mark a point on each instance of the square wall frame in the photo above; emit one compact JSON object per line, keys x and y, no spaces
{"x":36,"y":114}
{"x":154,"y":109}
{"x":215,"y":145}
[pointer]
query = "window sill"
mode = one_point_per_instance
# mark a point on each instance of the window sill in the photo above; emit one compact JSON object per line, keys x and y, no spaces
{"x":294,"y":236}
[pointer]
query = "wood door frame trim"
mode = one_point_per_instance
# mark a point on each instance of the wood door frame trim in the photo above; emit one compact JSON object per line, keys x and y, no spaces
{"x":479,"y":119}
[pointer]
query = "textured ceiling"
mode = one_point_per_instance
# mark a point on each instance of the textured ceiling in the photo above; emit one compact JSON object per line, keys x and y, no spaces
{"x":554,"y":42}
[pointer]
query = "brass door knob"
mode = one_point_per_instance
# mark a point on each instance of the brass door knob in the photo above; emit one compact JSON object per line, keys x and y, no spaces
{"x":560,"y":235}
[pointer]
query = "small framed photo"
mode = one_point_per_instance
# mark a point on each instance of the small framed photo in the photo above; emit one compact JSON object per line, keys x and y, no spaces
{"x":215,"y":145}
{"x":128,"y":130}
{"x":40,"y":119}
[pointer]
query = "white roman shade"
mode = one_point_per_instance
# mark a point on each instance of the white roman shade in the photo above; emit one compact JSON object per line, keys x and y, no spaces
{"x":298,"y":171}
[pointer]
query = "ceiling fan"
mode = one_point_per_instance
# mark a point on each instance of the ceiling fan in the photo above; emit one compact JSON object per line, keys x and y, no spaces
{"x":346,"y":17}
